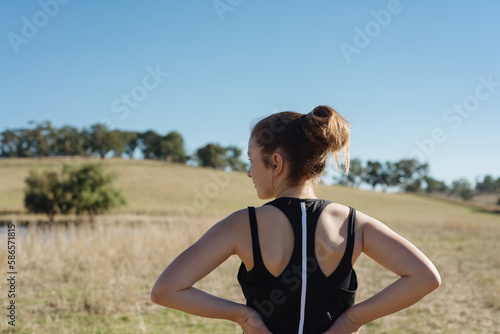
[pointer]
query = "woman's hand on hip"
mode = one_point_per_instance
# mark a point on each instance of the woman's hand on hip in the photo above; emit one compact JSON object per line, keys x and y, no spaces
{"x":343,"y":325}
{"x":252,"y":323}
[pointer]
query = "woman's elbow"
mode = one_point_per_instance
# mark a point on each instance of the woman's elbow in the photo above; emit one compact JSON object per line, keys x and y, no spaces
{"x":437,"y":280}
{"x":431,"y":279}
{"x":160,"y":295}
{"x":155,"y":295}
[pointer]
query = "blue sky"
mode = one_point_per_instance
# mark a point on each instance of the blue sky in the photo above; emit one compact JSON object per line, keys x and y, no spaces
{"x":415,"y":79}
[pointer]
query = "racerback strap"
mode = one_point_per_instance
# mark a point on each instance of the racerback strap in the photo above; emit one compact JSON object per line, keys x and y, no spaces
{"x":345,"y":264}
{"x":257,"y":256}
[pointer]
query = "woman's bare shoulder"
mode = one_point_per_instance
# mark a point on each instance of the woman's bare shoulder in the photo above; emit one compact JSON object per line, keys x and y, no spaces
{"x":236,"y":220}
{"x":341,"y":212}
{"x":337,"y":211}
{"x":239,"y":221}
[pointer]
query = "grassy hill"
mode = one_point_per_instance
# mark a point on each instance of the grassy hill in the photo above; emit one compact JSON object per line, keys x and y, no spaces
{"x":98,"y":279}
{"x":153,"y":187}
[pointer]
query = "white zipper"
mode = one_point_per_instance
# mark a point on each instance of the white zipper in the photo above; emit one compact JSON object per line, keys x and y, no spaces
{"x":304,"y":268}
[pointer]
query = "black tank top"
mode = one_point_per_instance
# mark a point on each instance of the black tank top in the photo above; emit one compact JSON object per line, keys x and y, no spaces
{"x":301,"y":299}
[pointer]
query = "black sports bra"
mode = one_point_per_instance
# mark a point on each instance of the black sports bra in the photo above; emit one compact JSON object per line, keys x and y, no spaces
{"x":285,"y":303}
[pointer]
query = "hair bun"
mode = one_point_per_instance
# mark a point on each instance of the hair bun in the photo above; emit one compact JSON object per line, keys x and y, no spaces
{"x":321,"y":112}
{"x":326,"y":128}
{"x":305,"y":140}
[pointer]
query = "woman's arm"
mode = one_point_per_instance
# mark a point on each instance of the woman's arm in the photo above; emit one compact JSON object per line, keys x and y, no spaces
{"x":174,"y":287}
{"x":418,"y":276}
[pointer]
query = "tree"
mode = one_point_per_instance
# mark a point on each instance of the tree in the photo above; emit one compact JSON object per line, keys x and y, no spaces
{"x":212,"y":155}
{"x":166,"y":148}
{"x":42,"y":139}
{"x":16,"y":143}
{"x":9,"y":147}
{"x":488,"y":185}
{"x":36,"y":142}
{"x":356,"y":173}
{"x":355,"y":176}
{"x":391,"y":174}
{"x":462,"y":188}
{"x":234,"y":162}
{"x":435,"y":186}
{"x":82,"y":189}
{"x":173,"y":148}
{"x":497,"y":184}
{"x":91,"y":190}
{"x":150,"y":144}
{"x":45,"y":194}
{"x":407,"y":174}
{"x":375,"y":173}
{"x":69,"y":141}
{"x":101,"y":140}
{"x":132,"y":142}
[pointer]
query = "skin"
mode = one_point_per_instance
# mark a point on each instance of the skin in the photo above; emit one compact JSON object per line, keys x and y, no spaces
{"x":231,"y":236}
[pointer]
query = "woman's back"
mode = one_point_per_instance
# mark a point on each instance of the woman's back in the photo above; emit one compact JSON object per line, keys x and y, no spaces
{"x":277,"y":240}
{"x":300,"y":274}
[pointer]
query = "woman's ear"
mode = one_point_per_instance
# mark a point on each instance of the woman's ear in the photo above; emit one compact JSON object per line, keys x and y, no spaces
{"x":278,"y":164}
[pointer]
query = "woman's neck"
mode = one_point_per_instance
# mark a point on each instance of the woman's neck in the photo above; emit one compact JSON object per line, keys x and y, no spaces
{"x":304,"y":190}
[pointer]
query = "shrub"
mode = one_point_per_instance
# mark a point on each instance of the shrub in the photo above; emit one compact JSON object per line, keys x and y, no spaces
{"x":82,"y":189}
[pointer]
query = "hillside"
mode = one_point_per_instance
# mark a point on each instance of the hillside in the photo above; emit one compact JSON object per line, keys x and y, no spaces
{"x":175,"y":204}
{"x":156,"y":188}
{"x":151,"y":187}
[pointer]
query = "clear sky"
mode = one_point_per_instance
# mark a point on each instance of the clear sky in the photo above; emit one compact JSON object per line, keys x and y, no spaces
{"x":415,"y":78}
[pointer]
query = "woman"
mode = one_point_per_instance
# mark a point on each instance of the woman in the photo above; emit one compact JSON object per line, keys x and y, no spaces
{"x":297,"y":251}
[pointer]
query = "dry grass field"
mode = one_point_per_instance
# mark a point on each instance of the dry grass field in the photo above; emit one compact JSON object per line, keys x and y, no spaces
{"x":97,"y":278}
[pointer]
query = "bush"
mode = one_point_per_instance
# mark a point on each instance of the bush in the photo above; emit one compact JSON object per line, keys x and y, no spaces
{"x":83,"y":189}
{"x":462,"y":188}
{"x":44,"y":194}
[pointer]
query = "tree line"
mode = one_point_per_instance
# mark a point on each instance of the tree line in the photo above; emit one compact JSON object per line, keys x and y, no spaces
{"x":44,"y":140}
{"x":409,"y":175}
